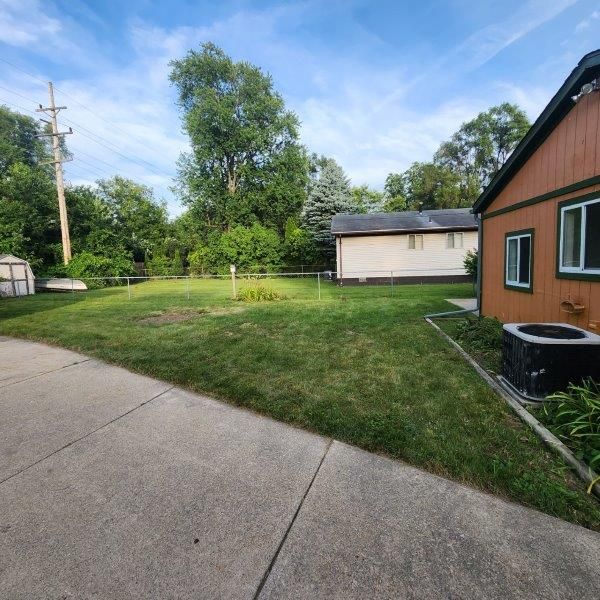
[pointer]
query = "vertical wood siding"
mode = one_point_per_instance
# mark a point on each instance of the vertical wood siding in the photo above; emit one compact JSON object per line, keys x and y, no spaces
{"x":569,"y":155}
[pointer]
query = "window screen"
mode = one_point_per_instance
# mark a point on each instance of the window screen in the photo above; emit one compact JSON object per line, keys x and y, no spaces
{"x":454,"y":240}
{"x":580,"y":238}
{"x":513,"y":255}
{"x":592,"y":236}
{"x":415,"y":242}
{"x":571,"y":237}
{"x":524,"y":259}
{"x":518,"y":260}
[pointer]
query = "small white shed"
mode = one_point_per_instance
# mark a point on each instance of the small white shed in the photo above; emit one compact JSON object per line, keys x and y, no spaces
{"x":16,"y":276}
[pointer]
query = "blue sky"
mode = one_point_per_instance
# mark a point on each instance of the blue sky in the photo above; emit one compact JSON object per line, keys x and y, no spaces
{"x":377,"y":84}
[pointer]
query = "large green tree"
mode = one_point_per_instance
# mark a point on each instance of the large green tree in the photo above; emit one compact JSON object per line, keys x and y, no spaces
{"x":394,"y":193}
{"x":29,"y":215}
{"x":366,"y":199}
{"x":245,"y":163}
{"x":462,"y":166}
{"x":116,"y":218}
{"x":431,"y":186}
{"x":19,"y":142}
{"x":28,"y":208}
{"x":138,"y":220}
{"x":481,"y":146}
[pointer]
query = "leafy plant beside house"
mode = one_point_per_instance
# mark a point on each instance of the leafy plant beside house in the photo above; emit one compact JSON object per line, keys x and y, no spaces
{"x":470,"y":263}
{"x":574,"y":417}
{"x":481,"y":337}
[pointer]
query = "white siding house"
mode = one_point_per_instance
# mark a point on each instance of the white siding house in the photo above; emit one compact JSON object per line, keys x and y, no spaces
{"x":408,"y":246}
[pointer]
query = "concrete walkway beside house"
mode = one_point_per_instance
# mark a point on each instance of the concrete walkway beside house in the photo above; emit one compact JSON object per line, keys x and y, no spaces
{"x":114,"y":485}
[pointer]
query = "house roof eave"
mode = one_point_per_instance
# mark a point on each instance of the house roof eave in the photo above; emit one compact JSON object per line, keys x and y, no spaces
{"x":554,"y":112}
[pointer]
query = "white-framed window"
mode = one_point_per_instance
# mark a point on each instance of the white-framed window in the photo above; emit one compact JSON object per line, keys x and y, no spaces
{"x":518,"y":260}
{"x":454,"y":240}
{"x":415,"y":241}
{"x":579,"y":242}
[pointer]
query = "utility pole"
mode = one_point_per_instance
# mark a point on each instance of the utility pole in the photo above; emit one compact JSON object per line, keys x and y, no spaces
{"x":53,"y":111}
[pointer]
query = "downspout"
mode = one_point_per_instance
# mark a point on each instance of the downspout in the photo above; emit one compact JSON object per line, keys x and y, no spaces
{"x":341,"y":273}
{"x":456,"y":313}
{"x":479,"y":259}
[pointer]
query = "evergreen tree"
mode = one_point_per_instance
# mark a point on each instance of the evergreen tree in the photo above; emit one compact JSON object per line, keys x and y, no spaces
{"x":330,"y":194}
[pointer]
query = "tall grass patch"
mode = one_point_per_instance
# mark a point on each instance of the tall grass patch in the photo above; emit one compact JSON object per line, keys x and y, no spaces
{"x":574,"y":417}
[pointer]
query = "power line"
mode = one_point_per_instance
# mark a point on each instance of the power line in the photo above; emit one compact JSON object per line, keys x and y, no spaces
{"x":98,"y":160}
{"x":93,"y":112}
{"x":97,"y":171}
{"x":116,"y":127}
{"x":20,"y":96}
{"x":81,"y":168}
{"x":22,"y":70}
{"x":6,"y":102}
{"x":102,"y":172}
{"x":76,"y":152}
{"x":3,"y":101}
{"x":91,"y":136}
{"x":98,"y":139}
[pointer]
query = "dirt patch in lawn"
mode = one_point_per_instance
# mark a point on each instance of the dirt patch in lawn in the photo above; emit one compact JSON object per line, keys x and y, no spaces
{"x":179,"y":315}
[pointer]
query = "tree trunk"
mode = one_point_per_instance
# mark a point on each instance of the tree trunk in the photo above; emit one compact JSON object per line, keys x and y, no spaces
{"x":231,"y":176}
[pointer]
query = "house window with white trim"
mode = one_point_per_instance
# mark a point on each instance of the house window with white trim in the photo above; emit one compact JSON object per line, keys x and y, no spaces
{"x":519,"y":260}
{"x":579,"y":242}
{"x":415,"y":241}
{"x":454,"y":240}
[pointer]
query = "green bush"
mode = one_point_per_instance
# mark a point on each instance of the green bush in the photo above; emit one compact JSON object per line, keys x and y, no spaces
{"x":199,"y":260}
{"x":86,"y":264}
{"x":298,"y":245}
{"x":574,"y":417}
{"x":483,"y":333}
{"x":470,"y":263}
{"x":481,"y":337}
{"x":177,"y":265}
{"x":258,"y":292}
{"x":255,"y":249}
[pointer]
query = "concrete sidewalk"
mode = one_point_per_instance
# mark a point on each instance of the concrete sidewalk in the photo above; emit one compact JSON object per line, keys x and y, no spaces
{"x":114,"y":485}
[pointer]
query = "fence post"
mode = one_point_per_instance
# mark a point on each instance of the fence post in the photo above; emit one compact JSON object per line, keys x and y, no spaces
{"x":128,"y":290}
{"x":319,"y":284}
{"x":392,"y":281}
{"x":187,"y":287}
{"x":232,"y":269}
{"x":72,"y":289}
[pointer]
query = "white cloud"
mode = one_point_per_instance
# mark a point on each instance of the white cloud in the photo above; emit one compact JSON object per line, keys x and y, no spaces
{"x":23,"y":22}
{"x":370,"y":144}
{"x":483,"y":45}
{"x":350,"y":107}
{"x":585,"y":24}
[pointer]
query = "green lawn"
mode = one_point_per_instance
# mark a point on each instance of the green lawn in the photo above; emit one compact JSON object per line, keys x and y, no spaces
{"x":361,"y":365}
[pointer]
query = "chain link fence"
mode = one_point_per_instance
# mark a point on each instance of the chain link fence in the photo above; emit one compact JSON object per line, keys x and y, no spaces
{"x":309,"y":286}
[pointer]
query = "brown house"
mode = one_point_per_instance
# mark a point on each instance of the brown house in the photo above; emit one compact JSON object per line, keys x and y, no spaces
{"x":540,"y":215}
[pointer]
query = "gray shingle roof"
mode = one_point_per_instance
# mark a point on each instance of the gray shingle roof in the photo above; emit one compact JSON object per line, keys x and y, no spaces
{"x":447,"y":219}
